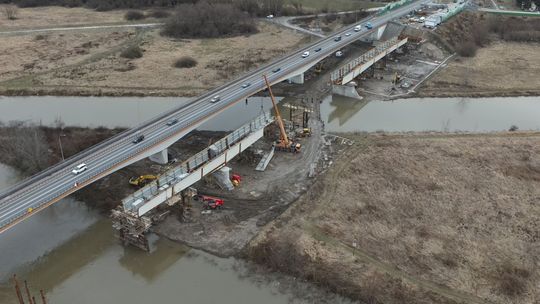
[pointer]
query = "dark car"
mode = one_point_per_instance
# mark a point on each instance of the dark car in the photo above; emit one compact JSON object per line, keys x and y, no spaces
{"x":338,"y":38}
{"x":276,"y":70}
{"x":172,"y":122}
{"x":317,"y":50}
{"x":138,"y":139}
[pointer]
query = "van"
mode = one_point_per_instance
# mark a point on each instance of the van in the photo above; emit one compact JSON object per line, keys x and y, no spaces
{"x":79,"y":169}
{"x":357,"y":28}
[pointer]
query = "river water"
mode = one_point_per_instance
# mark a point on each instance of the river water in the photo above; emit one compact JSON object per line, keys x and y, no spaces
{"x":70,"y":251}
{"x":114,"y":112}
{"x":342,"y":114}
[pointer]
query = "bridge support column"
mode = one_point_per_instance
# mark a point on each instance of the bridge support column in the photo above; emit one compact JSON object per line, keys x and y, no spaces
{"x":160,"y":157}
{"x":223,"y":178}
{"x":380,"y":32}
{"x":346,"y":90}
{"x":298,"y":79}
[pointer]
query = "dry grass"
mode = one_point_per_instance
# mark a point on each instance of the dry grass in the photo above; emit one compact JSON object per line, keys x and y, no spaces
{"x":436,"y":219}
{"x":218,"y":60}
{"x":51,"y":16}
{"x":29,"y":55}
{"x":502,"y":68}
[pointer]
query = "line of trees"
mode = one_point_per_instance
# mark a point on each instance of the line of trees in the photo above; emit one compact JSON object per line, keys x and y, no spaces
{"x":208,"y":20}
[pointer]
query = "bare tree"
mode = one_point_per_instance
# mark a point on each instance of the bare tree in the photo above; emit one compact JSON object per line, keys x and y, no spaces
{"x":24,"y":147}
{"x":10,"y":11}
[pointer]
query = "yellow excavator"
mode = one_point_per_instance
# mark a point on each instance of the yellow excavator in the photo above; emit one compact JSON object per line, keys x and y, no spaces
{"x":140,"y":181}
{"x":284,"y":143}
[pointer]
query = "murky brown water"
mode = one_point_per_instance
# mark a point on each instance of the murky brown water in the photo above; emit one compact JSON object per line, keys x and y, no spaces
{"x":116,"y":111}
{"x":342,"y":114}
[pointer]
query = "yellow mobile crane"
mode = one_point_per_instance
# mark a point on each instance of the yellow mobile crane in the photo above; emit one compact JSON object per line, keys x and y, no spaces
{"x":284,"y":143}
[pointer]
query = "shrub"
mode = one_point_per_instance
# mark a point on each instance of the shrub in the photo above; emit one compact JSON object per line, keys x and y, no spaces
{"x":134,"y":15}
{"x":160,"y":14}
{"x":467,"y":49}
{"x":132,"y":52}
{"x":185,"y":62}
{"x":10,"y":12}
{"x":206,"y":20}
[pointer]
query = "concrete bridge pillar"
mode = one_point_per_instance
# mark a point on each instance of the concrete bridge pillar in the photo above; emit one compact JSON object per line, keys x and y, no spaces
{"x":223,"y":178}
{"x":298,"y":79}
{"x":346,"y":90}
{"x":161,"y":157}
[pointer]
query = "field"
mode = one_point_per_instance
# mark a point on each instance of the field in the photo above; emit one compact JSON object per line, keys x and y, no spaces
{"x":54,"y":16}
{"x":427,"y":218}
{"x":494,"y":71}
{"x":500,"y":67}
{"x":89,"y":62}
{"x":338,"y":5}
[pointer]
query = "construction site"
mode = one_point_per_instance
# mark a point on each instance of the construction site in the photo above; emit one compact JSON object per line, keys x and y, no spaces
{"x":278,"y":203}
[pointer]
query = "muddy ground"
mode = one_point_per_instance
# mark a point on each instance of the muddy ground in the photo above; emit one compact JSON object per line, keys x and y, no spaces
{"x":423,"y":218}
{"x":88,"y":62}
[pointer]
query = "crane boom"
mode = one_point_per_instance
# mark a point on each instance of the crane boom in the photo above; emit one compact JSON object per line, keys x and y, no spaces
{"x":284,"y":137}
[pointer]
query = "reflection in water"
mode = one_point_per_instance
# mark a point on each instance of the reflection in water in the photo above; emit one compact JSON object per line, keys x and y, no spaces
{"x":33,"y":238}
{"x":117,"y":111}
{"x":344,"y":108}
{"x":150,"y":265}
{"x":432,"y":114}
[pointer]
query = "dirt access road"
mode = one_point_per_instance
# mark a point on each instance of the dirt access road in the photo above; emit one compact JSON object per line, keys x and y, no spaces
{"x":419,"y":218}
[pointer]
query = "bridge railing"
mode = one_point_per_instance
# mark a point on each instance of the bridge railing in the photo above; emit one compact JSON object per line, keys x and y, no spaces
{"x":338,"y":74}
{"x":137,"y":199}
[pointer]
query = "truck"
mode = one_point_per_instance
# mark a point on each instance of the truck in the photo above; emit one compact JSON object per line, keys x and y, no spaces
{"x":433,"y":21}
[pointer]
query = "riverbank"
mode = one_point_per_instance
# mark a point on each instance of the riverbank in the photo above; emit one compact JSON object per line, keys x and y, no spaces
{"x":455,"y":222}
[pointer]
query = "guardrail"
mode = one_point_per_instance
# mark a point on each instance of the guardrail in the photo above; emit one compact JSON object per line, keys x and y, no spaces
{"x":136,"y":200}
{"x":345,"y":69}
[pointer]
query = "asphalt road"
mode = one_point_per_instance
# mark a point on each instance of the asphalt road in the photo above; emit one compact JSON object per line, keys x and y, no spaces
{"x":57,"y":182}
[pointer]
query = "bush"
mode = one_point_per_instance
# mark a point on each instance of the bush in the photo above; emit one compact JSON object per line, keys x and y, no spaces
{"x":134,"y":15}
{"x":185,"y":62}
{"x":513,"y":280}
{"x":132,"y":52}
{"x":159,"y":14}
{"x":467,"y":49}
{"x":206,"y":20}
{"x":10,"y":12}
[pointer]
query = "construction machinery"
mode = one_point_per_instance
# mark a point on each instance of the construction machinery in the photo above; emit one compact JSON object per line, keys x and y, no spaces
{"x":396,"y":79}
{"x":284,"y":143}
{"x":140,"y":181}
{"x":305,"y":132}
{"x":210,"y":202}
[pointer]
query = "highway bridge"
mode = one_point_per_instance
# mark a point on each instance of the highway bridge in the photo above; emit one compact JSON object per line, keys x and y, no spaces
{"x":47,"y":187}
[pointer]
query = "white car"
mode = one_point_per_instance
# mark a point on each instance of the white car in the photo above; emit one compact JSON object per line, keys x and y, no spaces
{"x":80,"y":168}
{"x":347,"y":34}
{"x":215,"y":99}
{"x":270,"y":16}
{"x":305,"y":54}
{"x":339,"y":54}
{"x":357,"y":28}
